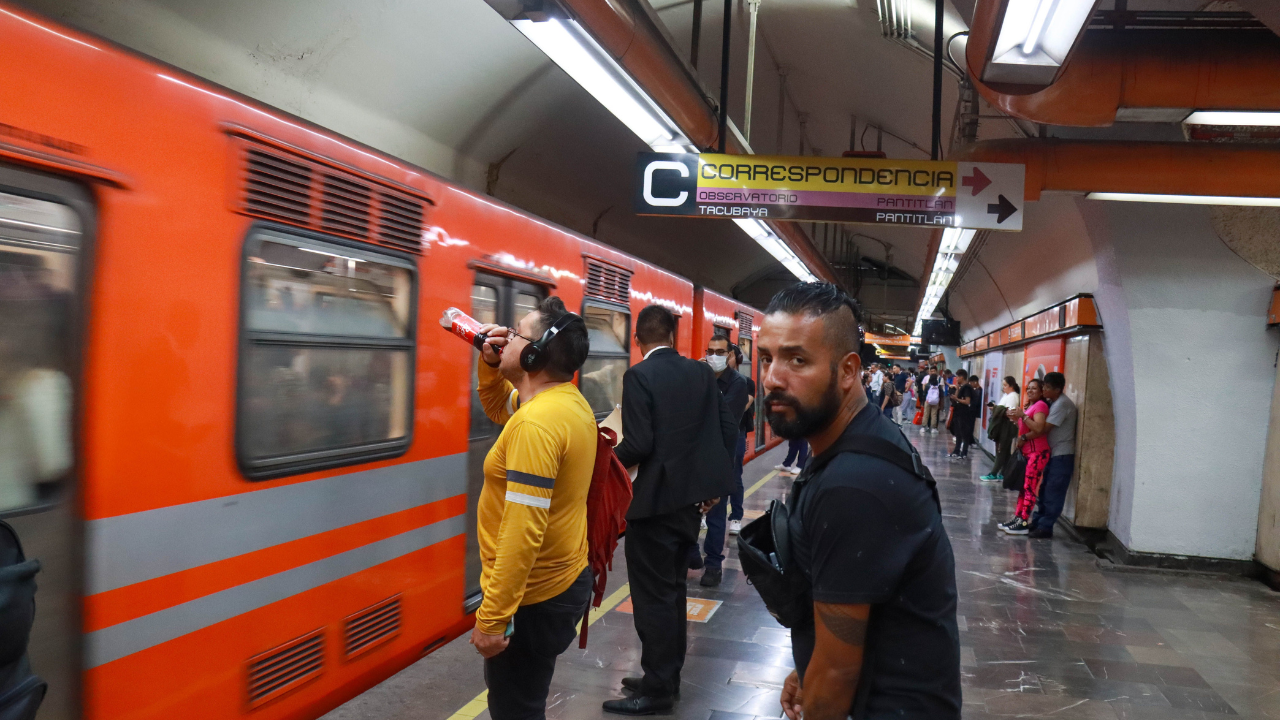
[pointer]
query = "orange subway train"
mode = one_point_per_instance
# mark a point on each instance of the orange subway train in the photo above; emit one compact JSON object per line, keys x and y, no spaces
{"x":256,"y":454}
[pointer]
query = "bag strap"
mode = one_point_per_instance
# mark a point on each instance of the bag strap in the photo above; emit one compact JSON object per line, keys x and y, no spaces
{"x":878,"y":447}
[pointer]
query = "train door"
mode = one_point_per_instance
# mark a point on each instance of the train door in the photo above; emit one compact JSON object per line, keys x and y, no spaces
{"x":500,"y":300}
{"x":45,"y":228}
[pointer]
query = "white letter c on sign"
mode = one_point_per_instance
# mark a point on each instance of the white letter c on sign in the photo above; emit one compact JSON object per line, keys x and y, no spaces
{"x":648,"y":183}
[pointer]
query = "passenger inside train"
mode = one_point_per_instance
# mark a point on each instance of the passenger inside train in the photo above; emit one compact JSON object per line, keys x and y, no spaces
{"x":828,"y":359}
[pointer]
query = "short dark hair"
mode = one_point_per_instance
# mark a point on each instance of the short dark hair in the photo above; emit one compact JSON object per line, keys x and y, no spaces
{"x":827,"y":301}
{"x":974,"y":378}
{"x":568,"y":351}
{"x":962,"y":373}
{"x":655,"y":324}
{"x":1056,"y":380}
{"x":1012,"y":383}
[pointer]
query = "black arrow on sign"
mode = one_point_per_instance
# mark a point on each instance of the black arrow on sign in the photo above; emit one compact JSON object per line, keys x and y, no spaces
{"x":1002,"y":210}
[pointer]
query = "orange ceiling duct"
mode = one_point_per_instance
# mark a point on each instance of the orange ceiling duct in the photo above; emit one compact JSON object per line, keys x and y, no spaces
{"x":1200,"y":69}
{"x":1214,"y":169}
{"x":629,"y":36}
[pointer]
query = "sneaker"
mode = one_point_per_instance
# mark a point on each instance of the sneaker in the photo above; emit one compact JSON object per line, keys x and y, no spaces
{"x":780,"y":468}
{"x":924,"y":430}
{"x":999,"y":476}
{"x":989,"y":478}
{"x":711,"y":577}
{"x":934,"y":431}
{"x":1007,"y":523}
{"x":1018,"y":527}
{"x":704,"y":523}
{"x":735,"y":527}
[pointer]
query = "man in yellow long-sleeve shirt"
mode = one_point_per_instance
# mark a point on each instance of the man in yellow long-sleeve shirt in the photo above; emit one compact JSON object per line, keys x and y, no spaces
{"x":533,"y":508}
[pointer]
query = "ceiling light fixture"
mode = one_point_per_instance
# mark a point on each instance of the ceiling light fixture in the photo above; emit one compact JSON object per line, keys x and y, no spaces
{"x":1232,"y":118}
{"x":1035,"y":38}
{"x":582,"y":58}
{"x":1186,"y":199}
{"x":954,"y":242}
{"x":764,"y":235}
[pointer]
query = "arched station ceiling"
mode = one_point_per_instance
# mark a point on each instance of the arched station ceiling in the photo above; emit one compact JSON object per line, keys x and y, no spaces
{"x":451,"y":86}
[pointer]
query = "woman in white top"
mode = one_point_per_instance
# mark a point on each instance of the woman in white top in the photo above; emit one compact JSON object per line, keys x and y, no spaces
{"x":1004,"y":439}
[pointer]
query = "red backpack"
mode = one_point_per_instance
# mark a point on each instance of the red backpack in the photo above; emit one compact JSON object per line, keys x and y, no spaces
{"x":607,"y":503}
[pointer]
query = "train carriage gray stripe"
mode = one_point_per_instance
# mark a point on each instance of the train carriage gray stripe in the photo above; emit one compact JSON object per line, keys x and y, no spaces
{"x":140,"y":546}
{"x":112,"y":643}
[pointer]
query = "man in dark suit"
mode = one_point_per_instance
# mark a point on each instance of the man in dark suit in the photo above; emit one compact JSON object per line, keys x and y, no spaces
{"x":677,"y":428}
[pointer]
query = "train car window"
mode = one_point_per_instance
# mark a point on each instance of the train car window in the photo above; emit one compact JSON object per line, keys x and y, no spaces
{"x":525,"y":304}
{"x":744,"y":344}
{"x":609,"y":332}
{"x":484,"y":304}
{"x":325,"y":374}
{"x":40,"y":243}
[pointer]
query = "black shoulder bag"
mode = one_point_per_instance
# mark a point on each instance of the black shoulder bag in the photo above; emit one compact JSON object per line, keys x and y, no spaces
{"x":21,"y":692}
{"x":764,"y":545}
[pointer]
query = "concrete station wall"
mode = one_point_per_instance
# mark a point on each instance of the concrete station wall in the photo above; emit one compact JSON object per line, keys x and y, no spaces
{"x":1192,"y":375}
{"x":1182,"y":292}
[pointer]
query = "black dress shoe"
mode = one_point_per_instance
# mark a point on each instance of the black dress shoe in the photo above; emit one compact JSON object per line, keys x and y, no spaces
{"x":695,"y":562}
{"x":711,"y":577}
{"x":633,"y":684}
{"x":640,"y":705}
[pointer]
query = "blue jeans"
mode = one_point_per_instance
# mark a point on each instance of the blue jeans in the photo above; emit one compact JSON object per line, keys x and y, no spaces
{"x":713,"y":545}
{"x":797,"y":453}
{"x":1053,"y":492}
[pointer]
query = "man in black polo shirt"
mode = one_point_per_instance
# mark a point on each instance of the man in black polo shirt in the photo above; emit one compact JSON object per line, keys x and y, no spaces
{"x":883,"y":641}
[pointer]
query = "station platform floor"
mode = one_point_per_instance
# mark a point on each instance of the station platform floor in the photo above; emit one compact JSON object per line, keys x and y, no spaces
{"x":1044,"y":632}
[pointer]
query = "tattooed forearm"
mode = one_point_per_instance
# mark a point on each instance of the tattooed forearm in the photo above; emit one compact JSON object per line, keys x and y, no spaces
{"x":848,"y":630}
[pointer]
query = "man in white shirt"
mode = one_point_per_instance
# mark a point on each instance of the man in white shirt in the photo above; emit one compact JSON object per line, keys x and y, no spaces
{"x":1062,"y":457}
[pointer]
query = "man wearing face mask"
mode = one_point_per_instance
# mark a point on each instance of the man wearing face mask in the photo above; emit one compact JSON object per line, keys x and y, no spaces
{"x":733,"y":387}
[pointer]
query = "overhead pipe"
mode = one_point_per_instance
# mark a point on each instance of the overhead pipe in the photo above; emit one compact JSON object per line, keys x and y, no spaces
{"x":640,"y":49}
{"x":1212,"y":169}
{"x":1107,"y":70}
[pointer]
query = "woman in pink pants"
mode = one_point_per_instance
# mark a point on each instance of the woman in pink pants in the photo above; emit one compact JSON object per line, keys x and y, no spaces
{"x":1032,"y":441}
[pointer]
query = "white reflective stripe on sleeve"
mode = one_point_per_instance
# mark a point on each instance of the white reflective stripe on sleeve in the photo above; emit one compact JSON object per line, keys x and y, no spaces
{"x":530,"y":500}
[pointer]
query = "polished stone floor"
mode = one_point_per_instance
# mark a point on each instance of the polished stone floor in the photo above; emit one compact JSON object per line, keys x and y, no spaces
{"x":1044,"y":632}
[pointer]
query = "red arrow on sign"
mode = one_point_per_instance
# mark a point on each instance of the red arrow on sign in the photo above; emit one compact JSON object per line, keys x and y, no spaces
{"x":977,"y":181}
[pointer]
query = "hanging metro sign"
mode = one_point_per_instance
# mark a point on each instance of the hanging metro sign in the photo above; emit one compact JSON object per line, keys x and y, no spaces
{"x":860,"y":190}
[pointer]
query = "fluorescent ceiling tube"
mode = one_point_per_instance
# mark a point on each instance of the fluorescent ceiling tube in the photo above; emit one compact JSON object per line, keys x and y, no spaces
{"x":1233,"y":118}
{"x":1186,"y":199}
{"x":764,"y":235}
{"x":956,"y":240}
{"x":582,"y":58}
{"x":1035,"y":39}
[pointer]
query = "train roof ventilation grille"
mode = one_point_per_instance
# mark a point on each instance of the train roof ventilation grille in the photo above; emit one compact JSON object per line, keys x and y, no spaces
{"x":607,"y":282}
{"x":371,"y":627}
{"x":344,"y":207}
{"x":283,"y":669}
{"x":278,"y":188}
{"x":296,"y":189}
{"x":400,"y":221}
{"x":744,"y":325}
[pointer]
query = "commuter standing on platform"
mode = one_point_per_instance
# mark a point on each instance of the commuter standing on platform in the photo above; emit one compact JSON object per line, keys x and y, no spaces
{"x":720,"y":354}
{"x":900,"y":377}
{"x":1002,"y":429}
{"x":931,"y":390}
{"x":865,"y":532}
{"x":678,"y":429}
{"x":1062,"y":457}
{"x":797,"y":454}
{"x":532,"y":513}
{"x":1033,"y":425}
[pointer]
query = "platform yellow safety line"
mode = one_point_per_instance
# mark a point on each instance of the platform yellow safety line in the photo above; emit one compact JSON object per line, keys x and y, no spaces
{"x":480,"y":703}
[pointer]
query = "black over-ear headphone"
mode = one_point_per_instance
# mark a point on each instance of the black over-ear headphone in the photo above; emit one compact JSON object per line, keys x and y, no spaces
{"x":533,"y":358}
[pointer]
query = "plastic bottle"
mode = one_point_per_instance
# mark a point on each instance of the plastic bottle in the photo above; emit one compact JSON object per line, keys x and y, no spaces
{"x":465,"y":327}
